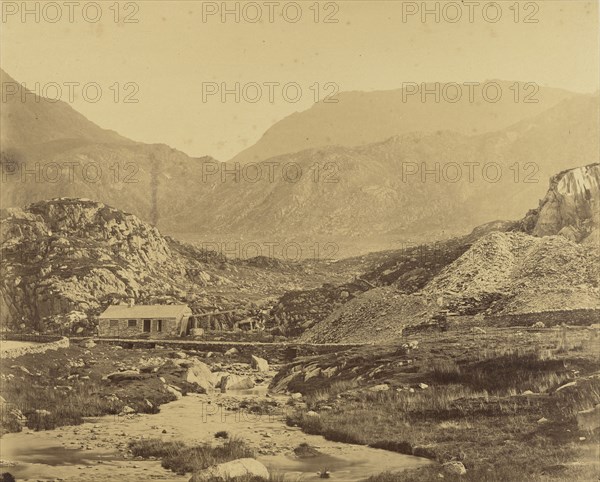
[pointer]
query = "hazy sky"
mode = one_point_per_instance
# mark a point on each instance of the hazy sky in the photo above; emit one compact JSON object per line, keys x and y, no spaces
{"x":170,"y":52}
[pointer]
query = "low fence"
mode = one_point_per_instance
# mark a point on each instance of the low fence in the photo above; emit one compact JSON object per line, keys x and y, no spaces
{"x":38,"y":344}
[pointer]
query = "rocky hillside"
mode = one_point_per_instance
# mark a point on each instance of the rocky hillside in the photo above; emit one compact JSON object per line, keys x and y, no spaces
{"x":500,"y":268}
{"x":65,"y":260}
{"x":69,"y":255}
{"x":359,"y":118}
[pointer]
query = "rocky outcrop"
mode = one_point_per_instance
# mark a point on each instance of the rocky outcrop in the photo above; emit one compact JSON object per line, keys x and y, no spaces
{"x":571,"y":207}
{"x":64,"y":260}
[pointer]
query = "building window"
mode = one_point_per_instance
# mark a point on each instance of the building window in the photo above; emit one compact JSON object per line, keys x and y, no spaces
{"x":159,"y":325}
{"x":131,"y":323}
{"x":114,"y":323}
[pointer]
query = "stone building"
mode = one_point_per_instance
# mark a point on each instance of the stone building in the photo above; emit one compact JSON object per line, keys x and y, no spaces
{"x":134,"y":320}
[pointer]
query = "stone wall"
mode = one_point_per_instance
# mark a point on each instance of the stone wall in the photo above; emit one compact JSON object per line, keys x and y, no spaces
{"x":279,"y":352}
{"x":583,"y":317}
{"x":39,"y":344}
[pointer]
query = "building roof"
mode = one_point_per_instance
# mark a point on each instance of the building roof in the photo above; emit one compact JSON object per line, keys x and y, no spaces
{"x":144,"y":311}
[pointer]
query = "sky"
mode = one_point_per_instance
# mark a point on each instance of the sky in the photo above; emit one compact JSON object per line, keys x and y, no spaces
{"x":160,"y":66}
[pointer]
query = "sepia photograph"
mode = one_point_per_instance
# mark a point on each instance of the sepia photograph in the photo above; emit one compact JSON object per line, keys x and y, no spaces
{"x":287,"y":241}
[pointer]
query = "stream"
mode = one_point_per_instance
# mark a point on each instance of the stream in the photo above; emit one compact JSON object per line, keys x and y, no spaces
{"x":95,"y":450}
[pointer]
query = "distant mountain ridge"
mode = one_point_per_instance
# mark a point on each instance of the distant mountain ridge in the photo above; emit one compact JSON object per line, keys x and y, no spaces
{"x":360,"y":118}
{"x":341,"y":193}
{"x":26,"y":121}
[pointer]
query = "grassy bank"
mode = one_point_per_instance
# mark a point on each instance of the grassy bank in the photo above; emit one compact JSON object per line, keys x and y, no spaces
{"x":494,"y":409}
{"x":56,"y":388}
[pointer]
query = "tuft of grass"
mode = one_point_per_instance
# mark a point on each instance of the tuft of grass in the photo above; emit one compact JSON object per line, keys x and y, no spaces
{"x":181,"y":458}
{"x":305,"y":450}
{"x":222,"y":434}
{"x":327,"y":392}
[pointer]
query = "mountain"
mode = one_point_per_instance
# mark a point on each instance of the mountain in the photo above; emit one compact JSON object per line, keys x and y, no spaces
{"x":413,"y":186}
{"x":49,"y":151}
{"x":365,"y":195}
{"x":28,"y":118}
{"x":359,"y":118}
{"x":500,"y":268}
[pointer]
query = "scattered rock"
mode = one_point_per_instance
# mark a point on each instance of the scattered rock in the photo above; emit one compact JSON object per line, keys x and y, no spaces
{"x":259,"y":364}
{"x":379,"y":388}
{"x":589,"y":420}
{"x":236,"y":468}
{"x":296,"y":396}
{"x":235,"y":382}
{"x":88,"y":344}
{"x":200,"y":374}
{"x":232,"y":351}
{"x":125,"y":376}
{"x":454,"y":468}
{"x":174,"y":391}
{"x":539,"y":324}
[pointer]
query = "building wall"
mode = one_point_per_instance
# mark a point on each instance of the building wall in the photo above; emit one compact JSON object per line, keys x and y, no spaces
{"x":105,"y":328}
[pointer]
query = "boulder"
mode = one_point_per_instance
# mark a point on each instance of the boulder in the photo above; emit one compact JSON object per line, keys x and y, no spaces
{"x":259,"y":364}
{"x":231,"y":352}
{"x":174,"y":390}
{"x":235,"y":382}
{"x":454,"y":468}
{"x":236,"y":468}
{"x":589,"y":420}
{"x":379,"y":388}
{"x":125,"y":376}
{"x":127,"y":410}
{"x":200,"y":374}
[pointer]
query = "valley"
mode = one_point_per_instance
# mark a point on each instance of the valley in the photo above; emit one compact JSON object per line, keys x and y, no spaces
{"x":385,"y":270}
